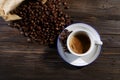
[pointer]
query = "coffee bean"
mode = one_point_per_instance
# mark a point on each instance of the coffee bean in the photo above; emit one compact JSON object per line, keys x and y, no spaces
{"x":41,"y":22}
{"x":28,"y":40}
{"x":63,"y":38}
{"x":66,"y":7}
{"x":22,"y":32}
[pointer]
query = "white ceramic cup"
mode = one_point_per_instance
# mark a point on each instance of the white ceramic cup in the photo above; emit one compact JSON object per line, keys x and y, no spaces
{"x":93,"y":42}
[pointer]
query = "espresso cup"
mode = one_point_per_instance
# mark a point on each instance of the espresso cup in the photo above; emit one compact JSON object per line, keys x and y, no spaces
{"x":82,"y":42}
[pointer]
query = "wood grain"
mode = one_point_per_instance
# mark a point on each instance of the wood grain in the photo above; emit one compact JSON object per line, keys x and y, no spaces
{"x":21,"y":60}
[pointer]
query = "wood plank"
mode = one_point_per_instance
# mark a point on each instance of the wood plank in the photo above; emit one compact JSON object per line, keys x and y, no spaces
{"x":110,"y":51}
{"x":111,"y":41}
{"x":45,"y":66}
{"x":95,"y":7}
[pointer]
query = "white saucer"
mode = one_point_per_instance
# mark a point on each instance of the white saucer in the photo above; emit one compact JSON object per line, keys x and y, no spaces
{"x":77,"y":60}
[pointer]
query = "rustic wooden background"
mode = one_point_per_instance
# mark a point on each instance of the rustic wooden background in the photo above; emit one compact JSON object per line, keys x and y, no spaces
{"x":20,"y":60}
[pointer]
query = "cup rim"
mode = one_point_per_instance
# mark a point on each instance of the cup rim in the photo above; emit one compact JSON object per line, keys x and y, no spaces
{"x":92,"y":43}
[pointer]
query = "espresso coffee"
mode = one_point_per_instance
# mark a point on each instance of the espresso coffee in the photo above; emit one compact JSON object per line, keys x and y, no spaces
{"x":80,"y":43}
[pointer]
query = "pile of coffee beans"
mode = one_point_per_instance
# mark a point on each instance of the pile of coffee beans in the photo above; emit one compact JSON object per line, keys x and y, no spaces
{"x":41,"y":22}
{"x":63,"y":38}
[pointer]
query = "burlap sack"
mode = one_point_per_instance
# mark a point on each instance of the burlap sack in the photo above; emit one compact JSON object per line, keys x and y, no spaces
{"x":8,"y":5}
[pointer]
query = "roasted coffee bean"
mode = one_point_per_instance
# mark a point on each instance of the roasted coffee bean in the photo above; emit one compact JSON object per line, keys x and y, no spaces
{"x":41,"y":22}
{"x":22,"y":32}
{"x":66,"y":7}
{"x":65,"y":3}
{"x":28,"y":40}
{"x":63,"y":38}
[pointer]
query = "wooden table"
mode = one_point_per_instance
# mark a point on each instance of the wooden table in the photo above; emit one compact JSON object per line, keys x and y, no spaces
{"x":20,"y":60}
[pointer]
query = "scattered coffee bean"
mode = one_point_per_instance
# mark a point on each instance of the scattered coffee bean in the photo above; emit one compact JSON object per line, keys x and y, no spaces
{"x":63,"y":38}
{"x":66,"y":7}
{"x":28,"y":40}
{"x":22,"y":32}
{"x":41,"y":22}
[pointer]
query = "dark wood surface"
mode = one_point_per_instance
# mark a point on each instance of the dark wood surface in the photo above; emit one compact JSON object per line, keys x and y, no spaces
{"x":20,"y":60}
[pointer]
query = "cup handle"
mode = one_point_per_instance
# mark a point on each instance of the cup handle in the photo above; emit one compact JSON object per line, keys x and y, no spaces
{"x":98,"y":42}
